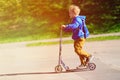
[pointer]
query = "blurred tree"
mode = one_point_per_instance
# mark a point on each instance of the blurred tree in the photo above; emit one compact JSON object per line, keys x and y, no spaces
{"x":10,"y":9}
{"x":47,"y":9}
{"x":101,"y":13}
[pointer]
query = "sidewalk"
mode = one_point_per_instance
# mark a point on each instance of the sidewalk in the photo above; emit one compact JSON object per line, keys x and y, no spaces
{"x":109,"y":34}
{"x":23,"y":44}
{"x":69,"y":38}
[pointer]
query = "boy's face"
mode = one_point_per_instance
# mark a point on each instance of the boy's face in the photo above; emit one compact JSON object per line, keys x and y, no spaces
{"x":71,"y":14}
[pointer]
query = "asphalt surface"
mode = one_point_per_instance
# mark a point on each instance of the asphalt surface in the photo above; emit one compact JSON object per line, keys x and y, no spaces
{"x":36,"y":63}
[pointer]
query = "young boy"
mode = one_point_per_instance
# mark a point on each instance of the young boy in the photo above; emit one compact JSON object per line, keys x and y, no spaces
{"x":79,"y":41}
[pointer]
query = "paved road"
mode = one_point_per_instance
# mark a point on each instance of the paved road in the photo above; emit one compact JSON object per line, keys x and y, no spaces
{"x":44,"y":59}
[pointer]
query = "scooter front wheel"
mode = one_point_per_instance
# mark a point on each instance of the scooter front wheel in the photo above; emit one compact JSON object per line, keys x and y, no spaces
{"x":58,"y":68}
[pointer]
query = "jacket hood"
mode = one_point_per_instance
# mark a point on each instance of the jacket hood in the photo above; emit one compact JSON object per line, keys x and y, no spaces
{"x":82,"y":17}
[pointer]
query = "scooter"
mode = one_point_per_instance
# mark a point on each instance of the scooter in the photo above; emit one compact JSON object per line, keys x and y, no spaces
{"x":61,"y":64}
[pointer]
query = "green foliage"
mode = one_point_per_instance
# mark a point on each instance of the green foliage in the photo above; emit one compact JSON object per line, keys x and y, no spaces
{"x":37,"y":19}
{"x":102,"y":13}
{"x":114,"y":28}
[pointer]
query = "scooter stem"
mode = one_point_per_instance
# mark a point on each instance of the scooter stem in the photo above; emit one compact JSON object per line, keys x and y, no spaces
{"x":60,"y":47}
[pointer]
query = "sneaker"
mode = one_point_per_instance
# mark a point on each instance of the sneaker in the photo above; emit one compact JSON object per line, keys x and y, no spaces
{"x":80,"y":67}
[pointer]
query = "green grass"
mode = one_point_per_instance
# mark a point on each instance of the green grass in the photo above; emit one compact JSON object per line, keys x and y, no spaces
{"x":71,"y":41}
{"x":49,"y":43}
{"x":29,"y":29}
{"x":103,"y":38}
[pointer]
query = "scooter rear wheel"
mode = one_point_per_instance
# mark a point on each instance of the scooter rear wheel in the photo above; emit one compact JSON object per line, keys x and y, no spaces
{"x":58,"y":68}
{"x":91,"y":66}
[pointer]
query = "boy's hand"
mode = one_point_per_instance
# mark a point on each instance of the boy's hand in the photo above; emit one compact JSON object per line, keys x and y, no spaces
{"x":63,"y":26}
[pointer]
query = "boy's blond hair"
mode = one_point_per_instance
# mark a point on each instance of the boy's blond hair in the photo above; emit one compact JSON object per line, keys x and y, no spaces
{"x":75,"y":9}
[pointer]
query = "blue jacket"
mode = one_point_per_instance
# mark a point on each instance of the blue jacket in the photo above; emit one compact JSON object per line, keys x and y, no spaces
{"x":76,"y":24}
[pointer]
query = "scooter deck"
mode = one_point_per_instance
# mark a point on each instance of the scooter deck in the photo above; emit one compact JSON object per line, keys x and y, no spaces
{"x":78,"y":70}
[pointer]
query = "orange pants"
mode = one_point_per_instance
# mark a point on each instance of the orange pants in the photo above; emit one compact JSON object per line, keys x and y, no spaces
{"x":83,"y":55}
